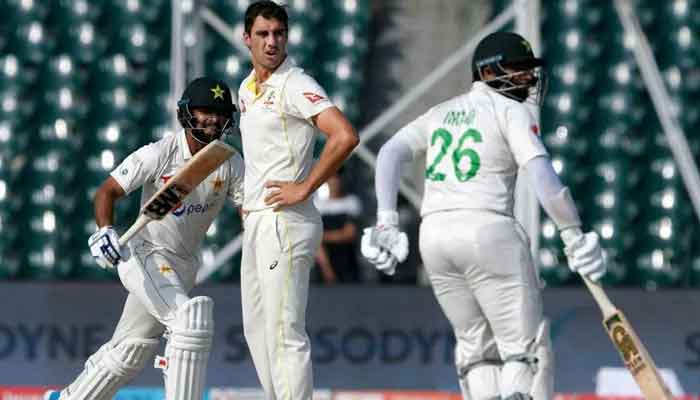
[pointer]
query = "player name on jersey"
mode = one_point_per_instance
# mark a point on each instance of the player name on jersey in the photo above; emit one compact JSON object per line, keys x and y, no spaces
{"x":457,"y":118}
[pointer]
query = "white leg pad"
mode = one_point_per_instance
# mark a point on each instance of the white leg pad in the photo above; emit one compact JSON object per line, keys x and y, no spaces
{"x":110,"y":368}
{"x":479,"y":380}
{"x":464,"y":388}
{"x":543,"y":381}
{"x":516,"y":377}
{"x":187,"y":351}
{"x":483,"y":382}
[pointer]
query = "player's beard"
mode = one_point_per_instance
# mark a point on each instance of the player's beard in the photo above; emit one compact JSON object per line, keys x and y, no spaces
{"x":516,"y":93}
{"x":207,"y":134}
{"x":520,"y":94}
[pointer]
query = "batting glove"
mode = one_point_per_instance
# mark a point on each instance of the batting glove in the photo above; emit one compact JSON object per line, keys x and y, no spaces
{"x":380,"y":258}
{"x":105,"y":248}
{"x":384,"y":245}
{"x":584,"y":253}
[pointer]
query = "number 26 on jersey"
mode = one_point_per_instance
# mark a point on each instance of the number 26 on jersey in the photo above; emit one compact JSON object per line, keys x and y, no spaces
{"x":464,"y":169}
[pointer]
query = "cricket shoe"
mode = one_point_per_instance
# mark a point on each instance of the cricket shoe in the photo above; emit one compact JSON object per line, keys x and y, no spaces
{"x":52,"y":395}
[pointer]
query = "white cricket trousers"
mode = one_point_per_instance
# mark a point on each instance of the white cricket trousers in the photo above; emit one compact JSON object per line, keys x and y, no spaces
{"x":483,"y":276}
{"x":278,"y":253}
{"x":159,"y":283}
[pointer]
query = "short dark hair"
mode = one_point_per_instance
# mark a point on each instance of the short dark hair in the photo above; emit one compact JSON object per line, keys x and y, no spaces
{"x":266,"y":9}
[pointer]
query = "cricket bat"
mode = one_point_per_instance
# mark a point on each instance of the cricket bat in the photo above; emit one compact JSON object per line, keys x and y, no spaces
{"x":634,"y":355}
{"x":196,"y":170}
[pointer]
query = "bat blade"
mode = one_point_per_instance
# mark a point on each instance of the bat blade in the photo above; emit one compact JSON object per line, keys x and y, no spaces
{"x":206,"y":161}
{"x":636,"y":357}
{"x":196,"y":170}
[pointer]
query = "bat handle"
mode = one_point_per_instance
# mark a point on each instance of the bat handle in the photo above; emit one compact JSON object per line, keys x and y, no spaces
{"x":141,"y":221}
{"x":606,"y":306}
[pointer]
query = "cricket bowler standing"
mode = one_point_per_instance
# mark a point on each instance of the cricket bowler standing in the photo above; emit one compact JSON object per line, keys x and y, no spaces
{"x":282,"y":108}
{"x":476,"y":254}
{"x":159,"y":265}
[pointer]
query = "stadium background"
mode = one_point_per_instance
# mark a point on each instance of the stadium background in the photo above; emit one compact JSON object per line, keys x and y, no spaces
{"x":83,"y":83}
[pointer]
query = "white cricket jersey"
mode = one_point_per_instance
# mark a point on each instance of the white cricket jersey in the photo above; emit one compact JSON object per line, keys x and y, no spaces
{"x":276,"y":129}
{"x":182,"y":231}
{"x":474,"y":145}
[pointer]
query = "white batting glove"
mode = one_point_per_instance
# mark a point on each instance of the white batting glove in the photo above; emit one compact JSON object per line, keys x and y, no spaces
{"x":105,"y":249}
{"x":584,"y":253}
{"x":382,"y":259}
{"x":384,"y":245}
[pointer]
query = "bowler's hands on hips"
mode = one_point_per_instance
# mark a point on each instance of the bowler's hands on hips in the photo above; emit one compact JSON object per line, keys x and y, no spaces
{"x":285,"y":194}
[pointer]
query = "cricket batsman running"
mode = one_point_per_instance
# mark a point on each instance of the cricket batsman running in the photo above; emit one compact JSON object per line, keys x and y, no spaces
{"x":476,"y":254}
{"x":159,"y":265}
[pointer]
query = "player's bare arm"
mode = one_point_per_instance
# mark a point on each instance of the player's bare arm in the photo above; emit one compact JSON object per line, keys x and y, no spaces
{"x":104,"y":243}
{"x":342,"y":139}
{"x":105,"y":197}
{"x":326,"y":268}
{"x":346,"y":234}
